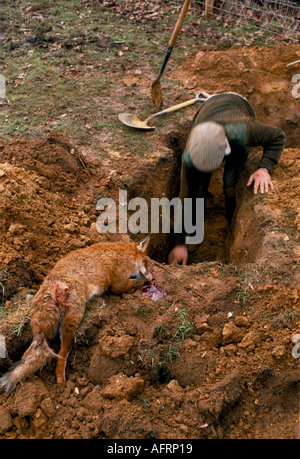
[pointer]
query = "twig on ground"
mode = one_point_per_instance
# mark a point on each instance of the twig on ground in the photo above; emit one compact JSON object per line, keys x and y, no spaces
{"x":292,"y":63}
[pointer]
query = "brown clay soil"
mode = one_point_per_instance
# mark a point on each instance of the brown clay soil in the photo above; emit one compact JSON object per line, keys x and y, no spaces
{"x":213,"y":359}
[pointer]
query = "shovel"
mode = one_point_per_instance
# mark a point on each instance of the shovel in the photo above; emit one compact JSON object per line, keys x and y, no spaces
{"x":133,"y":121}
{"x":156,"y":92}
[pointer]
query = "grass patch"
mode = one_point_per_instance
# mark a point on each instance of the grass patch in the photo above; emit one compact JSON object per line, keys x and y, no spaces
{"x":283,"y":319}
{"x":14,"y":318}
{"x":60,"y":62}
{"x":64,"y":61}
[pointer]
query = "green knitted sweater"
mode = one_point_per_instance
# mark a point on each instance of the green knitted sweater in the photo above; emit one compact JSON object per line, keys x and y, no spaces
{"x":242,"y":129}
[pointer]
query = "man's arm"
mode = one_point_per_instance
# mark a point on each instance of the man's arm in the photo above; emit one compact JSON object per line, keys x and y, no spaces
{"x":193,"y":185}
{"x":272,"y":140}
{"x":179,"y":254}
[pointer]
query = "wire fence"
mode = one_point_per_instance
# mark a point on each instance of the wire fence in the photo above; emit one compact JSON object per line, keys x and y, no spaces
{"x":280,"y":18}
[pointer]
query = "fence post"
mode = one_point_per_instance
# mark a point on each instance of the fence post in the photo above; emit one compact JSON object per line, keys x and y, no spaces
{"x":209,"y":8}
{"x":2,"y":347}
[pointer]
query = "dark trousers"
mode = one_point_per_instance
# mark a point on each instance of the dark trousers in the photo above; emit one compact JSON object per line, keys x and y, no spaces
{"x":194,"y":184}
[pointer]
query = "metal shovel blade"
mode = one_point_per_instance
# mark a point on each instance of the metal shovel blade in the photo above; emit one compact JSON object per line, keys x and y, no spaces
{"x":133,"y":121}
{"x":156,"y":93}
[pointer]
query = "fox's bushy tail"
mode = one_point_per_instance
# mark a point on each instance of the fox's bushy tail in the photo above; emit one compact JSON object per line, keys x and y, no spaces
{"x":36,"y":356}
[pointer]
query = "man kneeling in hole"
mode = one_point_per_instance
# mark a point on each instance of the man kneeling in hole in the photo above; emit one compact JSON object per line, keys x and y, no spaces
{"x":225,"y":128}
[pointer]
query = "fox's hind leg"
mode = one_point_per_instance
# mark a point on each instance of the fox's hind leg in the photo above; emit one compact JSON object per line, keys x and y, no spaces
{"x":68,"y":329}
{"x":73,"y":314}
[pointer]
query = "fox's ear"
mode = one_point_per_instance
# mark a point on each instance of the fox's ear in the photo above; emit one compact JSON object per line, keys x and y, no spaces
{"x":143,"y":244}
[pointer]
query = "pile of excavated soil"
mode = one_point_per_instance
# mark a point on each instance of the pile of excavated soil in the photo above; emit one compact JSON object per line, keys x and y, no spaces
{"x":215,"y":358}
{"x":47,"y":208}
{"x":261,"y":74}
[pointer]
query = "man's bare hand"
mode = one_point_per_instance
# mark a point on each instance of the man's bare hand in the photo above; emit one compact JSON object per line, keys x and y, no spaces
{"x":262,"y":180}
{"x":178,"y":255}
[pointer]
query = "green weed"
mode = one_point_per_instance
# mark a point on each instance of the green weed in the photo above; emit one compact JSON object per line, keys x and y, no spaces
{"x":283,"y":319}
{"x":160,"y":358}
{"x":248,"y":276}
{"x":184,"y":326}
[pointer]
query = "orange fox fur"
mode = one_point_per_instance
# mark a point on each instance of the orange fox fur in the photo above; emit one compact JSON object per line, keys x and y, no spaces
{"x":59,"y":304}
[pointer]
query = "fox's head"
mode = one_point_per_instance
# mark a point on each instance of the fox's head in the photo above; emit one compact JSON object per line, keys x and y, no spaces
{"x":133,"y":268}
{"x":141,"y":269}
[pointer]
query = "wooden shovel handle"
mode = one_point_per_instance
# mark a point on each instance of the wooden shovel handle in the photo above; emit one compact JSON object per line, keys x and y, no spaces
{"x":179,"y":23}
{"x":182,"y":105}
{"x":176,"y":107}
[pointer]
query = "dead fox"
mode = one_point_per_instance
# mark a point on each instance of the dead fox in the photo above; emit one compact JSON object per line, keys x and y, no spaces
{"x":60,"y":302}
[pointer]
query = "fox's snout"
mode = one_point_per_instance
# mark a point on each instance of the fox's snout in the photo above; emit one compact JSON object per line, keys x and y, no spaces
{"x":148,"y":277}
